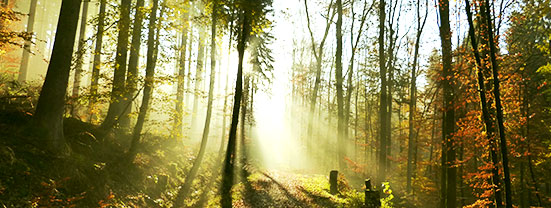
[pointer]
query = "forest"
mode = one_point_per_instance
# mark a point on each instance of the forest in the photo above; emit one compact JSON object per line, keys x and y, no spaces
{"x":275,"y":103}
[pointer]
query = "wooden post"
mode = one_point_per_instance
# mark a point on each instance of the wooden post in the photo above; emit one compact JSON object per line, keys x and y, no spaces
{"x":372,"y":197}
{"x":333,"y":175}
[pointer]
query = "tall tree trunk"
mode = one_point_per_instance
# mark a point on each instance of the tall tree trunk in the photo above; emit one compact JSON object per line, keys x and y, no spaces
{"x":80,"y":52}
{"x":490,"y":132}
{"x":97,"y":60}
{"x":183,"y":192}
{"x":318,"y":54}
{"x":133,"y":63}
{"x":227,"y":176}
{"x":198,"y":79}
{"x":383,"y":108}
{"x":190,"y":47}
{"x":152,"y":49}
{"x":119,"y":76}
{"x":179,"y":111}
{"x":412,"y":96}
{"x":244,"y":112}
{"x":339,"y":79}
{"x":499,"y":108}
{"x":48,"y":118}
{"x":226,"y":92}
{"x":448,"y":119}
{"x":354,"y":46}
{"x":329,"y":112}
{"x":23,"y":68}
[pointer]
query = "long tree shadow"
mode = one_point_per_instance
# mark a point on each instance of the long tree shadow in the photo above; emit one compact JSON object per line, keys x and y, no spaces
{"x":256,"y":193}
{"x":317,"y":200}
{"x":290,"y":196}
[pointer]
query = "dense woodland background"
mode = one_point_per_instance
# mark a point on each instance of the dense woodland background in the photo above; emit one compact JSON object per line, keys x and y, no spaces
{"x":251,"y":103}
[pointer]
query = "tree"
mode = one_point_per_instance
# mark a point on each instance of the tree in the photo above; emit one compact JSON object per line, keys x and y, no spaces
{"x":27,"y":47}
{"x":80,"y":52}
{"x":318,"y":54}
{"x":133,"y":62}
{"x":116,"y":107}
{"x":489,"y":126}
{"x":354,"y":47}
{"x":499,"y":108}
{"x":413,"y":93}
{"x":48,"y":118}
{"x":448,"y":118}
{"x":339,"y":78}
{"x":152,"y":49}
{"x":183,"y":192}
{"x":198,"y":77}
{"x":383,"y":106}
{"x":179,"y":111}
{"x":97,"y":57}
{"x":252,"y":16}
{"x":229,"y":160}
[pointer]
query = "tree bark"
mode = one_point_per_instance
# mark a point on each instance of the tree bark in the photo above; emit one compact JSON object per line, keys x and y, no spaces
{"x":318,"y":54}
{"x":23,"y":68}
{"x":413,"y":98}
{"x":226,"y":96}
{"x":179,"y":111}
{"x":354,"y":46}
{"x":133,"y":63}
{"x":183,"y":192}
{"x":499,"y":108}
{"x":340,"y":99}
{"x":448,"y":119}
{"x":119,"y":76}
{"x":383,"y":107}
{"x":227,"y":176}
{"x":152,"y":49}
{"x":48,"y":118}
{"x":81,"y":51}
{"x":97,"y":59}
{"x":198,"y":79}
{"x":490,"y":132}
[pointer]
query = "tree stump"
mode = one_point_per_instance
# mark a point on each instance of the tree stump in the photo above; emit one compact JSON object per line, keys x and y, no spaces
{"x":333,"y":175}
{"x":372,"y":197}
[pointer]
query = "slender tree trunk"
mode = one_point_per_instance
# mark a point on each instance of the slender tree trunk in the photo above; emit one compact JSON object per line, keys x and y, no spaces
{"x":340,"y":99}
{"x":413,"y":98}
{"x":179,"y":111}
{"x":48,"y":118}
{"x":152,"y":49}
{"x":354,"y":45}
{"x":383,"y":108}
{"x":329,"y":112}
{"x":490,"y":132}
{"x":227,"y":176}
{"x":133,"y":63}
{"x":23,"y":68}
{"x":499,"y":108}
{"x":80,"y":52}
{"x":183,"y":192}
{"x":318,"y":54}
{"x":190,"y":47}
{"x":198,"y":79}
{"x":97,"y":60}
{"x":226,"y":92}
{"x":119,"y":77}
{"x":448,"y":119}
{"x":244,"y":112}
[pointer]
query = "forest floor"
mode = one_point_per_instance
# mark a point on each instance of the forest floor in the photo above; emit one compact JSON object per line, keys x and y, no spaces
{"x":282,"y":189}
{"x":92,"y":176}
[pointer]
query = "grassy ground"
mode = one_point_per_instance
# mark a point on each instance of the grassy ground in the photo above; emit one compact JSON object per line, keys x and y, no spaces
{"x":92,"y":176}
{"x":280,"y":189}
